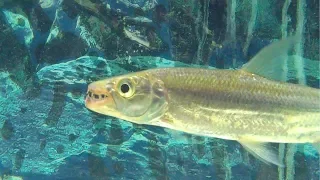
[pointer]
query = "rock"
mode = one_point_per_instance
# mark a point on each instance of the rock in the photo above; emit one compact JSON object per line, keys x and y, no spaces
{"x":46,"y":131}
{"x":14,"y":56}
{"x":60,"y":90}
{"x":56,"y":112}
{"x":73,"y":47}
{"x":105,"y":146}
{"x":20,"y":25}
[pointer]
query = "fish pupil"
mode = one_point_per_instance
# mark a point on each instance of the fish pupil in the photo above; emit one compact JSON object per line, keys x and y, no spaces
{"x":125,"y":88}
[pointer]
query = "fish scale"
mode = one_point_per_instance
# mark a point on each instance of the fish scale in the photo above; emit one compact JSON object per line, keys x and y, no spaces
{"x":253,"y":89}
{"x":234,"y":95}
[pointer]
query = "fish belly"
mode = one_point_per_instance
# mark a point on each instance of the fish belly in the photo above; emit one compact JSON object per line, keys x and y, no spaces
{"x":235,"y":124}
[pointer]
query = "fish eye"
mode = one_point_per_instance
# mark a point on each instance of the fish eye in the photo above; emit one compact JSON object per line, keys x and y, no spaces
{"x":125,"y":88}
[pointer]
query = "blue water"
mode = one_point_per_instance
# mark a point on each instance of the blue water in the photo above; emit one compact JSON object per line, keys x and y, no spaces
{"x":51,"y":50}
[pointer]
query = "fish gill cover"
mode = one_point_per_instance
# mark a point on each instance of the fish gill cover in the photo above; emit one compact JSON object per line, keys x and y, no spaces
{"x":51,"y":50}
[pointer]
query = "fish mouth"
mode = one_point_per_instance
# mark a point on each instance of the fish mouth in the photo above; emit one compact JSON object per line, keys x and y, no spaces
{"x":97,"y":96}
{"x":92,"y":97}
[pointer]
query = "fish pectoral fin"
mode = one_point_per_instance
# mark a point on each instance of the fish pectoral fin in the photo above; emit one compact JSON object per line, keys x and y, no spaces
{"x":178,"y":136}
{"x":270,"y":61}
{"x":169,"y":127}
{"x":262,"y":151}
{"x":162,"y":122}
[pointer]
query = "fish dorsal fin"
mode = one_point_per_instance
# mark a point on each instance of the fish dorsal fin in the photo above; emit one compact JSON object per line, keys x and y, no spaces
{"x":270,"y":62}
{"x":261,"y":151}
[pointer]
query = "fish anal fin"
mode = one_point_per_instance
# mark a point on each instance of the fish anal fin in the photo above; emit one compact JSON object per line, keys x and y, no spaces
{"x":262,"y":151}
{"x":271,"y":61}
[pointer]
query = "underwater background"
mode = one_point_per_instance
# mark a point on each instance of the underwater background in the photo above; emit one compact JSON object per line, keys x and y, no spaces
{"x":50,"y":50}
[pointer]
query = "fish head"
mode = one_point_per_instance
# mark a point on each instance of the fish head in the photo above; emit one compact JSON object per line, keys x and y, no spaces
{"x":137,"y":97}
